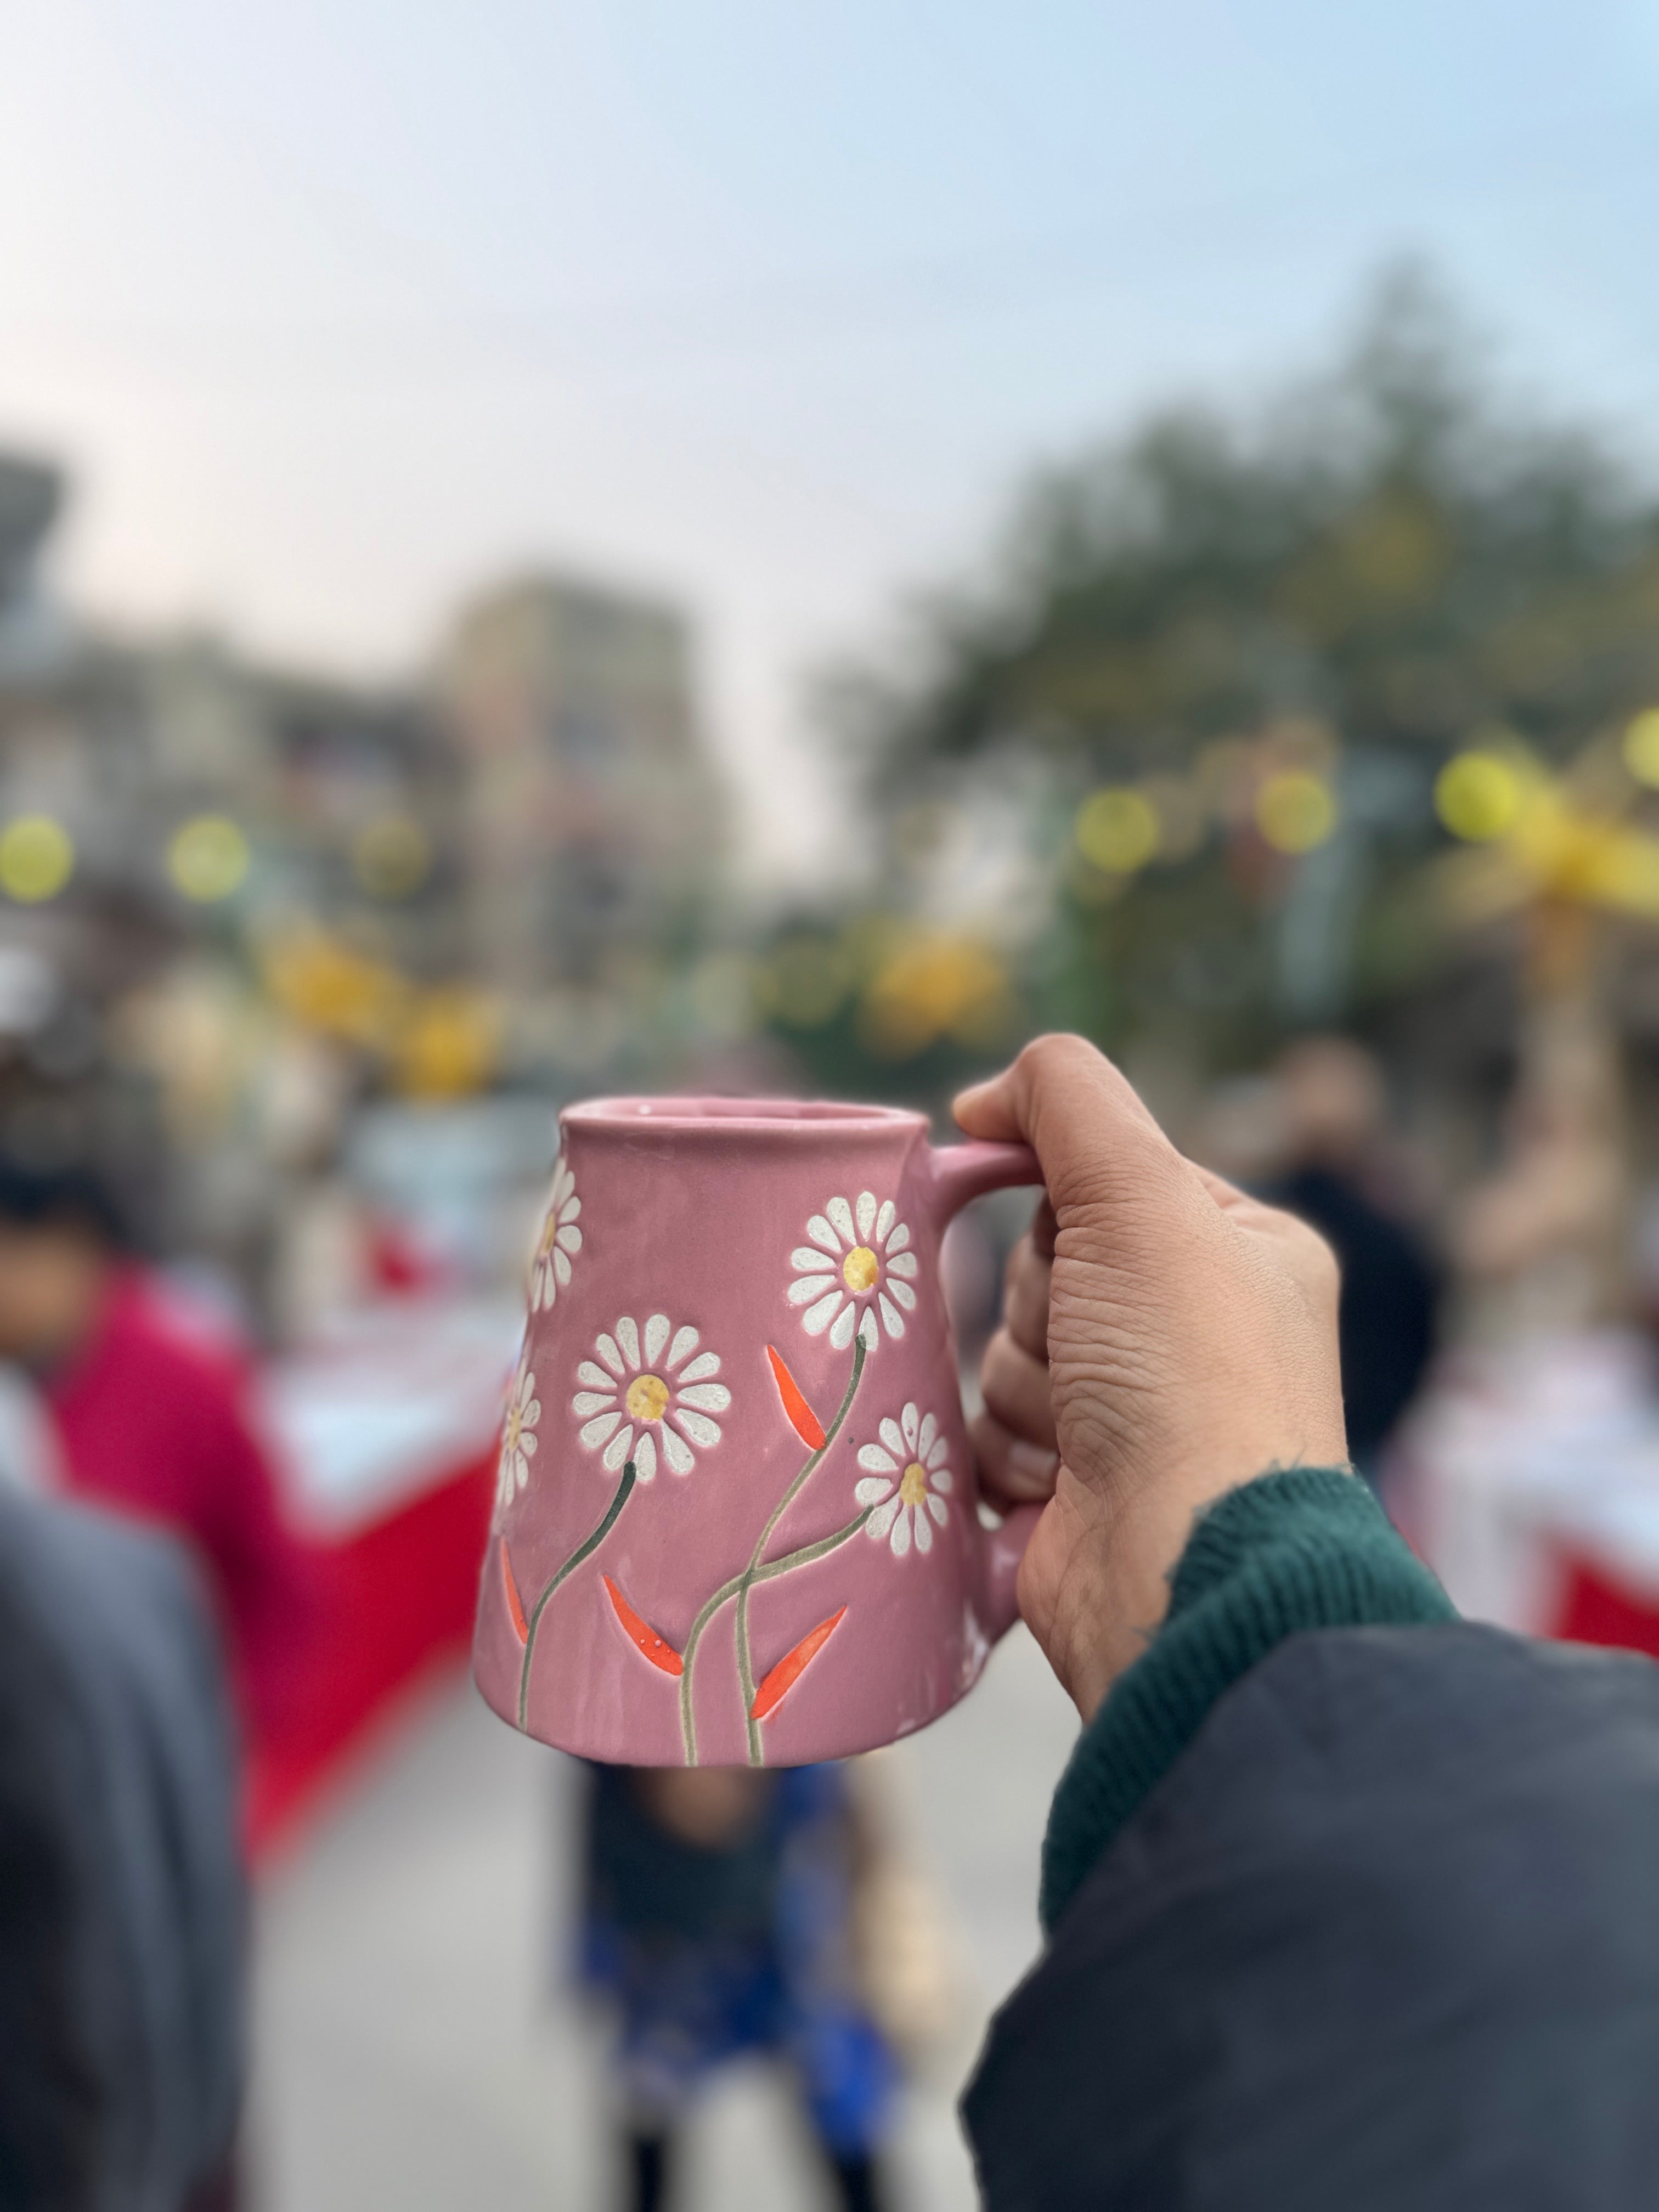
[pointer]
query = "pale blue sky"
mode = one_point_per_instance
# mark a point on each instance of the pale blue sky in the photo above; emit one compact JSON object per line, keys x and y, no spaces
{"x":340,"y":309}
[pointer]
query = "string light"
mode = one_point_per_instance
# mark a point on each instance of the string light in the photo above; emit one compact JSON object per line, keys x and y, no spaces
{"x":1642,"y":747}
{"x":1478,"y":796}
{"x":208,"y":858}
{"x":1117,"y":830}
{"x":37,"y":858}
{"x":1295,"y":811}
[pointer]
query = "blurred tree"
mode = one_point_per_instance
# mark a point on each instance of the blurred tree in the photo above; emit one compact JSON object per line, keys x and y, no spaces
{"x":1240,"y":653}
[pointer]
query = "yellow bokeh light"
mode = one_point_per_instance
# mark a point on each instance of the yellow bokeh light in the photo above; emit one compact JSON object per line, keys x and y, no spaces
{"x":1295,"y":811}
{"x":1117,"y":830}
{"x":37,"y":858}
{"x":1642,"y":747}
{"x":1478,"y":796}
{"x":936,"y":985}
{"x":392,"y":857}
{"x":330,"y":986}
{"x":208,"y":858}
{"x":451,"y":1045}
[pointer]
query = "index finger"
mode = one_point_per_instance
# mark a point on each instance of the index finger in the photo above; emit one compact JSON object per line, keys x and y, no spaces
{"x":1092,"y":1135}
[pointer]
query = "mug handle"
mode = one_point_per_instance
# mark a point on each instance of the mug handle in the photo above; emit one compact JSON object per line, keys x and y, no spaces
{"x":961,"y":1173}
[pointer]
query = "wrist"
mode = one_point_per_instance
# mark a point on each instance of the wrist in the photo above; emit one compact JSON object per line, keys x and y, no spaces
{"x":1145,"y":1552}
{"x":1284,"y":1552}
{"x":1112,"y":1611}
{"x":1094,"y":1585}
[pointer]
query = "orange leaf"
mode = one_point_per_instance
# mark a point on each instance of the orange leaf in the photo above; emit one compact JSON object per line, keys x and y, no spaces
{"x":790,"y":1669}
{"x":514,"y":1605}
{"x":656,"y":1649}
{"x":805,"y":1423}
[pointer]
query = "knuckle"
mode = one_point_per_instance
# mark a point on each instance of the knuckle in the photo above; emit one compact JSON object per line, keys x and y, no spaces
{"x":1013,"y":1383}
{"x":992,"y":1362}
{"x":1004,"y":1360}
{"x":1057,"y":1048}
{"x":1319,"y":1260}
{"x":1029,"y":1271}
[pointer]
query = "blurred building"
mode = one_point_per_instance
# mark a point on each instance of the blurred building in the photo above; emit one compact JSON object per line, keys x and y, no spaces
{"x":30,"y":495}
{"x":593,"y":821}
{"x":121,"y":745}
{"x":242,"y":906}
{"x":538,"y":810}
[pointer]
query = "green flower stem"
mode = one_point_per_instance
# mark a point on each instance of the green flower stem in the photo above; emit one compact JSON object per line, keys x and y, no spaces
{"x":803,"y":1558}
{"x":582,"y":1551}
{"x":739,"y":1585}
{"x":745,"y":1669}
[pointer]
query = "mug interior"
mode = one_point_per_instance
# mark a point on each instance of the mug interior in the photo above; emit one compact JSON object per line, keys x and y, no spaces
{"x":713,"y":1117}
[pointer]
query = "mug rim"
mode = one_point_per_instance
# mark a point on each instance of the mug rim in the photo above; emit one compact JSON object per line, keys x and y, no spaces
{"x":699,"y":1115}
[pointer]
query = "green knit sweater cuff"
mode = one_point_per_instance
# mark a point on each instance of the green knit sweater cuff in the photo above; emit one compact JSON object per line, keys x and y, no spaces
{"x":1309,"y":1548}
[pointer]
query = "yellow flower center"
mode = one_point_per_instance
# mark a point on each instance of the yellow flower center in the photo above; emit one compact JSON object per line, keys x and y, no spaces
{"x":913,"y":1484}
{"x":550,"y":1231}
{"x":860,"y":1268}
{"x":513,"y":1427}
{"x":648,"y":1398}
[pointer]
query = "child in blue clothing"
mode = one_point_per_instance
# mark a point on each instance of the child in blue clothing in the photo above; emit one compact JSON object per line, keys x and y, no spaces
{"x":718,"y":1922}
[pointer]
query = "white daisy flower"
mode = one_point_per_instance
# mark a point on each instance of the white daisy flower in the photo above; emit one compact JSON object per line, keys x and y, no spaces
{"x":643,"y":1387}
{"x":859,"y":1262}
{"x":550,"y":1270}
{"x":524,"y":1410}
{"x":907,"y":1482}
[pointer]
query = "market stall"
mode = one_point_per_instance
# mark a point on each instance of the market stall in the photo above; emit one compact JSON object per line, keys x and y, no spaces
{"x":385,"y":1432}
{"x":1529,"y":1480}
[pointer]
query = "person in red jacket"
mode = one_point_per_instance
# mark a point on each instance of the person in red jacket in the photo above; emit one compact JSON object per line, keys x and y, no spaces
{"x":150,"y":1416}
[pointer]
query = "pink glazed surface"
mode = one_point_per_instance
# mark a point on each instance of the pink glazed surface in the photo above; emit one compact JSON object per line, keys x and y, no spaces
{"x":681,"y":1214}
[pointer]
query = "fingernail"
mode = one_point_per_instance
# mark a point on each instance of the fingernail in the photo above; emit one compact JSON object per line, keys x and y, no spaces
{"x":1035,"y":1459}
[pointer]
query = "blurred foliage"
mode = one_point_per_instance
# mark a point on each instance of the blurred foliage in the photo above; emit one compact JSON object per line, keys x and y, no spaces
{"x":1213,"y":675}
{"x":1390,"y":553}
{"x":882,"y":994}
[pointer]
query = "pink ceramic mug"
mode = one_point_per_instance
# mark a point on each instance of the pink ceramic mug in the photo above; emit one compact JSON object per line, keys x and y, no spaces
{"x":736,"y":1513}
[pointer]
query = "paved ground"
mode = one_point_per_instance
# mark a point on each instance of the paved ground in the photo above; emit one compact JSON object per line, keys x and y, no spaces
{"x":408,"y":2054}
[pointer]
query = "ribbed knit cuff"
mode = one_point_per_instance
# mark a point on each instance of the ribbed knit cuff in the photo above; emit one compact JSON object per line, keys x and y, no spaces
{"x":1309,"y":1548}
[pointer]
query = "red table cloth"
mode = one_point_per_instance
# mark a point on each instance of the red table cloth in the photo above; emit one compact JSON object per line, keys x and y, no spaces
{"x":396,"y":1605}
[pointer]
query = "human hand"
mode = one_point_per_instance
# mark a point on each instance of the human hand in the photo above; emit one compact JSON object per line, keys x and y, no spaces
{"x":1164,"y":1339}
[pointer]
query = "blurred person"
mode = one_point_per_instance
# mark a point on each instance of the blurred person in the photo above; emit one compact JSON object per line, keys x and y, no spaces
{"x":150,"y":1417}
{"x":719,"y":1923}
{"x":30,"y":1457}
{"x":121,"y":1903}
{"x":1645,"y":1263}
{"x":1332,"y":1106}
{"x":1348,"y":1902}
{"x":1540,"y":1244}
{"x":1240,"y":1130}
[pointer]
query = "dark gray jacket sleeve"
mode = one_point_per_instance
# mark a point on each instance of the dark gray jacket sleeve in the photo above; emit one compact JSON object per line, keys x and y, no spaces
{"x":1386,"y":1936}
